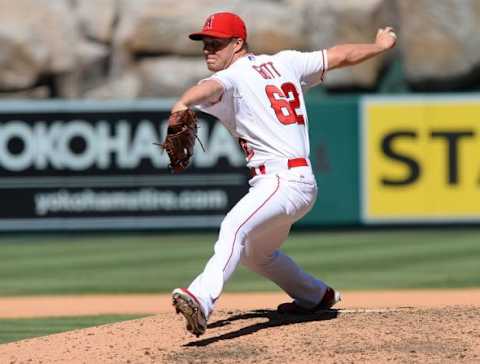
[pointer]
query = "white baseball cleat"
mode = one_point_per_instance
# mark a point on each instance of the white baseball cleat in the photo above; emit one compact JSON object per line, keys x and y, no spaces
{"x":187,"y":304}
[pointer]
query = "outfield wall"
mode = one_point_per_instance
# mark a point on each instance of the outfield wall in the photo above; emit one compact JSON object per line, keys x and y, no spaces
{"x":73,"y":165}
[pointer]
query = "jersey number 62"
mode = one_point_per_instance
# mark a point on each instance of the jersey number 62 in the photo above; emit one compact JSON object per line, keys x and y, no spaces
{"x":285,"y":102}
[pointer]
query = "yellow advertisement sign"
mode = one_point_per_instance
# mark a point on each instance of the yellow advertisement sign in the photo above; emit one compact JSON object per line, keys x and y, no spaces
{"x":421,"y":159}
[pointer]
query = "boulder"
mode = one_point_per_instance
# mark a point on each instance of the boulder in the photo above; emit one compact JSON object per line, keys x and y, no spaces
{"x":161,"y":26}
{"x":331,"y":22}
{"x":36,"y":36}
{"x":96,"y":18}
{"x":20,"y":64}
{"x":271,"y":27}
{"x":123,"y":87}
{"x":170,"y":76}
{"x":439,"y":39}
{"x":90,"y":72}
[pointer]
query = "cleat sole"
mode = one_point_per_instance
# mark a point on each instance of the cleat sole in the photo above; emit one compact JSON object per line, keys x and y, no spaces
{"x":186,"y":306}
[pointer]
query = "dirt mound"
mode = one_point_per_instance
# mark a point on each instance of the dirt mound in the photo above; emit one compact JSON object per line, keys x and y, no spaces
{"x":398,"y":335}
{"x":372,"y":334}
{"x":262,"y":336}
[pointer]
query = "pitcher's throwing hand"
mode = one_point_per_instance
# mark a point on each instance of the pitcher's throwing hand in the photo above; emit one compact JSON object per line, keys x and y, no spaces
{"x":386,"y":38}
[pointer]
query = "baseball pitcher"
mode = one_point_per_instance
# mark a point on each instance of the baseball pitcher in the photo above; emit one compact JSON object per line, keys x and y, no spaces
{"x":259,"y":99}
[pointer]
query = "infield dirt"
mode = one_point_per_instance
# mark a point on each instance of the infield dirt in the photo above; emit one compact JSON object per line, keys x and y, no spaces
{"x":370,"y":327}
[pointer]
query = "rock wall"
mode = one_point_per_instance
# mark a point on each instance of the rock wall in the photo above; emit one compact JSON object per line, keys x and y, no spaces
{"x":139,"y":48}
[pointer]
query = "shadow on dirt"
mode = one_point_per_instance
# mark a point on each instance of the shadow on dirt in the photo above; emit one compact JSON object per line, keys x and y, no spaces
{"x":274,"y":319}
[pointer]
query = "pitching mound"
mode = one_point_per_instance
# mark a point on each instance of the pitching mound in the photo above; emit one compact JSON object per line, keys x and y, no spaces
{"x":349,"y":334}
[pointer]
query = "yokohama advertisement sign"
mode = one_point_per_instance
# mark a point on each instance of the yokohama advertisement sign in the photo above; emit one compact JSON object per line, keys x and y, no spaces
{"x":92,"y":165}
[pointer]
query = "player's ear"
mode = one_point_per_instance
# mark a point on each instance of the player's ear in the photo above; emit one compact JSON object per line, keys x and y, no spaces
{"x":239,"y":43}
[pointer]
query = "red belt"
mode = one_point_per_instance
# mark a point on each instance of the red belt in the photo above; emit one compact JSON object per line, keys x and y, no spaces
{"x":292,"y":163}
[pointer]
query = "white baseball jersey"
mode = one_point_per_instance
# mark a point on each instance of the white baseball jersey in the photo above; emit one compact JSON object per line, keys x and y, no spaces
{"x":263,"y":104}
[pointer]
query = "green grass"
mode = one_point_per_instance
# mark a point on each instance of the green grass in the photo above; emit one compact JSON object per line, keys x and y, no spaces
{"x":140,"y":263}
{"x":19,"y":329}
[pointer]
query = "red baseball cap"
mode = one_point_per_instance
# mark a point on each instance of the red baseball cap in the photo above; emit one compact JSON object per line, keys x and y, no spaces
{"x":222,"y":25}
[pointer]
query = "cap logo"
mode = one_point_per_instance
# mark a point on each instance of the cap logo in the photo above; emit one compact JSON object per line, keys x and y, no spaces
{"x":209,"y":22}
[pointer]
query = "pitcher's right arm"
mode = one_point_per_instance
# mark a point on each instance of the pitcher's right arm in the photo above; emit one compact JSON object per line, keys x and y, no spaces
{"x":345,"y":55}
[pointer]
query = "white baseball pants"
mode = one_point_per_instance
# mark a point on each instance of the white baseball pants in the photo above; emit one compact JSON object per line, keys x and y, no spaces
{"x":253,"y":231}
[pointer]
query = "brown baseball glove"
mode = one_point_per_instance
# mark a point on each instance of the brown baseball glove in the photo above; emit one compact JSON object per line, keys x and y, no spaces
{"x":180,"y":139}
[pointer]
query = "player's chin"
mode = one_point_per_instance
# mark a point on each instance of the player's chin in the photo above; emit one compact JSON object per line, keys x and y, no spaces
{"x":213,"y":66}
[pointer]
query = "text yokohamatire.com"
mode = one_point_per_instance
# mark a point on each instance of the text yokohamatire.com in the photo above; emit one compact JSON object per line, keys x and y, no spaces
{"x":146,"y":199}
